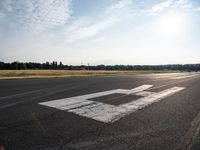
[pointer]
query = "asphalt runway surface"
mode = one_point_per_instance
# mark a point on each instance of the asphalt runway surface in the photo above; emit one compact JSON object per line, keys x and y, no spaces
{"x":147,"y":111}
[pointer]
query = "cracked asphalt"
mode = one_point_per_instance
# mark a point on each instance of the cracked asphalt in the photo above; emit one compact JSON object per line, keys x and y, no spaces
{"x":172,"y":123}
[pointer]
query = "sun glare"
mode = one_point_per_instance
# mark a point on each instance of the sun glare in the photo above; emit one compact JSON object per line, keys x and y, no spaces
{"x":171,"y":24}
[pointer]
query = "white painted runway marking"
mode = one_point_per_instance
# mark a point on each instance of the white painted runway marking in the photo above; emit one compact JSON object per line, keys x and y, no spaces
{"x":184,"y":77}
{"x":108,"y":113}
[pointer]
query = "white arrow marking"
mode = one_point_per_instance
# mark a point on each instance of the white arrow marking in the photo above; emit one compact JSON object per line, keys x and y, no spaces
{"x":106,"y":113}
{"x":78,"y":101}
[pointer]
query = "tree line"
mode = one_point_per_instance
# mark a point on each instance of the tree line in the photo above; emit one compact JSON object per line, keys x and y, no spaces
{"x":59,"y":65}
{"x":30,"y":65}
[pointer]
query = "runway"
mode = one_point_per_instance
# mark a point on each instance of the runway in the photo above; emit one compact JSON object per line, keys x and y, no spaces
{"x":146,"y":111}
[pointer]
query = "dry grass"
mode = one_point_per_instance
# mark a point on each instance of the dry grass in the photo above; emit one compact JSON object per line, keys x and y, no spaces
{"x":21,"y":74}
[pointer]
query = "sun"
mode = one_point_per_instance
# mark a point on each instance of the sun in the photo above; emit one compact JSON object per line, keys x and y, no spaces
{"x":171,"y":24}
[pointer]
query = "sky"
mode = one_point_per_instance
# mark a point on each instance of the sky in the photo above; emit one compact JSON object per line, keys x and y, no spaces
{"x":134,"y":32}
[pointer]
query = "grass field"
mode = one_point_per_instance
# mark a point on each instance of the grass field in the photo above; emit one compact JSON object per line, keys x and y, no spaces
{"x":20,"y":74}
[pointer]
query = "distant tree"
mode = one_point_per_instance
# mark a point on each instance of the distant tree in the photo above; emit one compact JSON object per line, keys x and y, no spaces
{"x":15,"y":65}
{"x":22,"y":66}
{"x":54,"y":65}
{"x":2,"y":65}
{"x":61,"y":65}
{"x":47,"y":65}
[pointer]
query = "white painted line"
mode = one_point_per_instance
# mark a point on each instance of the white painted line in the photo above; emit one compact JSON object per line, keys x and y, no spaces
{"x":99,"y":111}
{"x":20,"y":94}
{"x":184,"y":77}
{"x":106,"y":113}
{"x":138,"y":89}
{"x":145,"y":101}
{"x":65,"y":104}
{"x":78,"y":101}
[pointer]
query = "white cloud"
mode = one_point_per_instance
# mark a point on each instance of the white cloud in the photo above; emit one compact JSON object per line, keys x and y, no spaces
{"x":187,"y":6}
{"x":99,"y":39}
{"x":184,"y":4}
{"x":160,"y":7}
{"x":36,"y":15}
{"x":81,"y":30}
{"x":197,"y":9}
{"x":120,"y":5}
{"x":85,"y":31}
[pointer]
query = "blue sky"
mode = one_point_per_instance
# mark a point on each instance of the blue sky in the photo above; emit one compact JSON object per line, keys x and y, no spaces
{"x":100,"y":31}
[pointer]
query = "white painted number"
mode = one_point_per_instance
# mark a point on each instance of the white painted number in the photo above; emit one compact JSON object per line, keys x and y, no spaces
{"x":108,"y":113}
